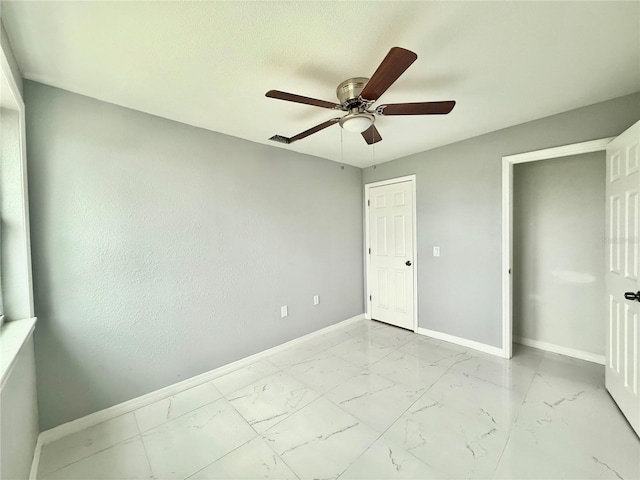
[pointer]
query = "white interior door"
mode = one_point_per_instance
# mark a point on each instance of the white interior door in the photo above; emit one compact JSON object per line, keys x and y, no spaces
{"x":623,"y":218}
{"x":391,"y":276}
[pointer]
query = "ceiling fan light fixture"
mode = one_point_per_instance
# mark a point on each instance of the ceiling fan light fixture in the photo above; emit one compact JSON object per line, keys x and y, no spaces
{"x":356,"y":122}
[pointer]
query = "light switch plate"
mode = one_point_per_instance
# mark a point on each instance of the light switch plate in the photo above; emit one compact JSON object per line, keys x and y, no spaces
{"x":284,"y":311}
{"x":316,"y":299}
{"x":436,"y":251}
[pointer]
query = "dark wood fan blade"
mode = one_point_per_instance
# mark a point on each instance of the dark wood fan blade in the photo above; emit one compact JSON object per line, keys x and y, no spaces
{"x":419,"y":108}
{"x":371,"y":135}
{"x":306,"y":133}
{"x":290,"y":97}
{"x":394,"y":64}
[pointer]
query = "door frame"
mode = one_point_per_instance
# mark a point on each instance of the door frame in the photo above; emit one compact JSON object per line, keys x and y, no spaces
{"x":507,"y":221}
{"x":367,"y":245}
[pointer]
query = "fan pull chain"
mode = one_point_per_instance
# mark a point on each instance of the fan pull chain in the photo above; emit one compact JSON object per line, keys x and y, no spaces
{"x":373,"y":145}
{"x":341,"y":149}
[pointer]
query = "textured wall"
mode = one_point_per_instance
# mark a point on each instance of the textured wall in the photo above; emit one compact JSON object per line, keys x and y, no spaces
{"x":19,"y":417}
{"x":459,"y":209}
{"x":559,"y":251}
{"x":161,"y":251}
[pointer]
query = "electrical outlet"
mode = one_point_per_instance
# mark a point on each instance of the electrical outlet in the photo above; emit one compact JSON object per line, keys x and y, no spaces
{"x":284,"y":311}
{"x":316,"y":299}
{"x":436,"y":251}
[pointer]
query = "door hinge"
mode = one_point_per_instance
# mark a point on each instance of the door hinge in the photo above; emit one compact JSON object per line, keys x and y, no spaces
{"x":368,"y":203}
{"x":369,"y":251}
{"x":369,"y":297}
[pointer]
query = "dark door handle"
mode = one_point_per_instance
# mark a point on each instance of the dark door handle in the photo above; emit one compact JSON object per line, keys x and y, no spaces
{"x":632,"y":296}
{"x":408,"y":264}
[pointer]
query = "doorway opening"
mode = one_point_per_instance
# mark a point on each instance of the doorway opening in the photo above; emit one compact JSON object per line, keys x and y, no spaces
{"x":508,"y":164}
{"x":559,"y":246}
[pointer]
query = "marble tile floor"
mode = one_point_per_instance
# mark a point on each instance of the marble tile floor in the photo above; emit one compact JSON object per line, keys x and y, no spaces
{"x":368,"y":401}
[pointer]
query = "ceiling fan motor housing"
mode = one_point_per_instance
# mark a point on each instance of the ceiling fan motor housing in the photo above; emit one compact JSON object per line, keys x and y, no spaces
{"x":348,"y":92}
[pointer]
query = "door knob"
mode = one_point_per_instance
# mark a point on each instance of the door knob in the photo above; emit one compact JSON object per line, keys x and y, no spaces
{"x":408,"y":264}
{"x":632,"y":296}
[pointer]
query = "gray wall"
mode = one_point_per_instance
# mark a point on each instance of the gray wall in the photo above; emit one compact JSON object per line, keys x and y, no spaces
{"x":13,"y":235}
{"x":459,"y":209}
{"x":161,"y":251}
{"x":19,"y":417}
{"x":559,"y":251}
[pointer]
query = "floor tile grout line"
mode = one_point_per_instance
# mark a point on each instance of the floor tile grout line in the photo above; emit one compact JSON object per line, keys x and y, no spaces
{"x":322,"y":395}
{"x":263,"y":434}
{"x":418,"y":399}
{"x":282,"y":459}
{"x":524,"y":398}
{"x":366,"y":370}
{"x":393,"y":350}
{"x":392,"y":424}
{"x":289,"y":413}
{"x":146,"y":454}
{"x":257,"y":435}
{"x":90,"y":455}
{"x":221,"y":457}
{"x":222,"y":397}
{"x":84,"y":430}
{"x":143,"y":432}
{"x":448,"y":369}
{"x":282,"y":370}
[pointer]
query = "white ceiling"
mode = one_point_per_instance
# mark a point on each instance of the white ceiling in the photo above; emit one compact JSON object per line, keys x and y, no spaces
{"x":209,"y":64}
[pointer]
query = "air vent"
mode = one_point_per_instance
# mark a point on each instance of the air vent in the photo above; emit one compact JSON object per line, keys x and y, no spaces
{"x":281,"y":139}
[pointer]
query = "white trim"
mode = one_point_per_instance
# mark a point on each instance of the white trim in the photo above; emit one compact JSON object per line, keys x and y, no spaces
{"x":507,"y":256}
{"x":13,"y":336}
{"x":558,"y":152}
{"x":481,"y":347}
{"x":569,"y":352}
{"x":35,"y":462}
{"x":367,"y":258}
{"x":101,"y":416}
{"x":5,"y":68}
{"x":6,"y":72}
{"x":507,"y":219}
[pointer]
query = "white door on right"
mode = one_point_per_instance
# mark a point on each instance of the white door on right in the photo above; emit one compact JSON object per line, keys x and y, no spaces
{"x":623,"y":273}
{"x":391,"y":240}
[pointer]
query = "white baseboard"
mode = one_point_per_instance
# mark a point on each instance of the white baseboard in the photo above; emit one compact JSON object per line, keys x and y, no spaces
{"x":101,"y":416}
{"x":482,"y":347}
{"x":35,"y":462}
{"x":569,"y":352}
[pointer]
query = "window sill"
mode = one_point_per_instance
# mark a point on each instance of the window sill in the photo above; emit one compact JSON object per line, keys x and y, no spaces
{"x":13,"y":336}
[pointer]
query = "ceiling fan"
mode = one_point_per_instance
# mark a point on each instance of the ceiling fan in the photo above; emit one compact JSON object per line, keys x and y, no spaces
{"x":357,"y":96}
